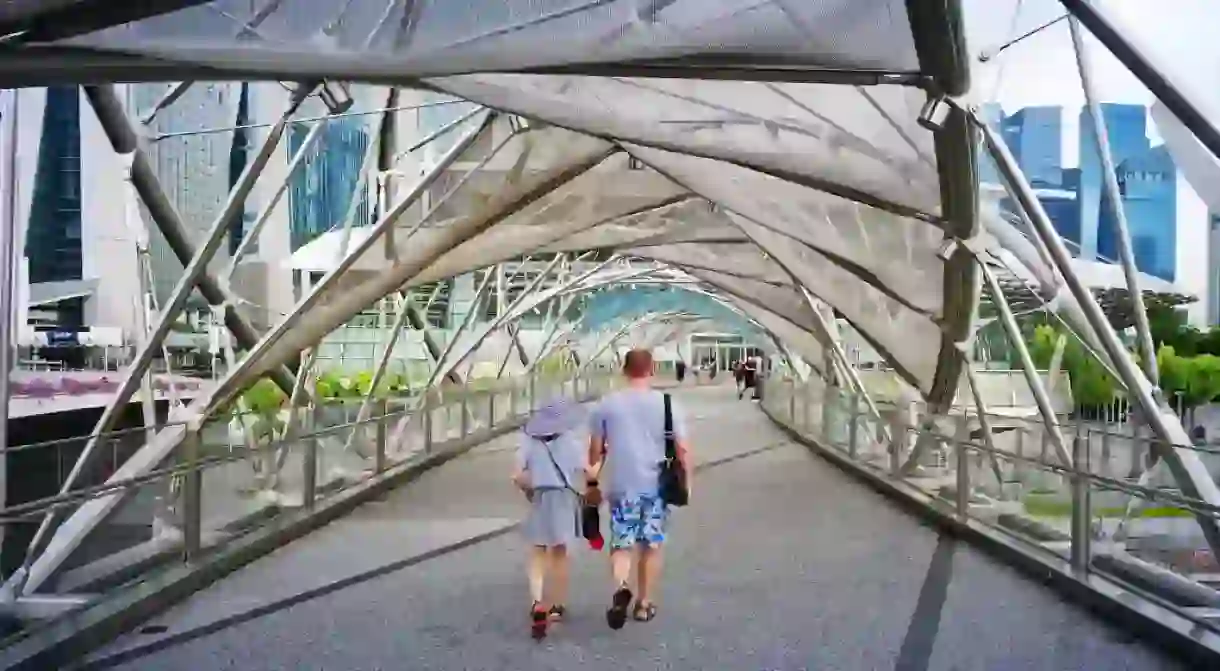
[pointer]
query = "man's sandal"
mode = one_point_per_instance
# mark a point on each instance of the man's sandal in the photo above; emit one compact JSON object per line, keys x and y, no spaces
{"x":616,"y":617}
{"x":644,"y":612}
{"x":557,"y":612}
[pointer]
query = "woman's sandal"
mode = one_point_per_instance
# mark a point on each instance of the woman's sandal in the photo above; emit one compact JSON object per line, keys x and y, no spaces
{"x":616,"y":617}
{"x":538,"y":621}
{"x":644,"y":612}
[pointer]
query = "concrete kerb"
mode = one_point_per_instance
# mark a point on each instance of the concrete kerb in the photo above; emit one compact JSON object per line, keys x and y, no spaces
{"x":1107,"y":597}
{"x":57,"y":643}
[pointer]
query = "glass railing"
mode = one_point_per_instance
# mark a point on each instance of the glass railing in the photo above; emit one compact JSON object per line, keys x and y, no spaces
{"x":239,"y":472}
{"x":1104,"y":509}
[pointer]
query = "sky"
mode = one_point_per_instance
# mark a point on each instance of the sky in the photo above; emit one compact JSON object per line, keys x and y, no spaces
{"x":1179,"y":35}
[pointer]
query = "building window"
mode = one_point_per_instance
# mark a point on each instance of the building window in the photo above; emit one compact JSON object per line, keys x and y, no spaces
{"x":322,"y":189}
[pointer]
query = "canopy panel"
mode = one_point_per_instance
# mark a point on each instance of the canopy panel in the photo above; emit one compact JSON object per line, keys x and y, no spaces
{"x":861,"y":143}
{"x":376,"y":39}
{"x":752,"y":236}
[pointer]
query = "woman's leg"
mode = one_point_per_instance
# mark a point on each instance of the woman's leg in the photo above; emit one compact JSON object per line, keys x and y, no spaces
{"x":557,"y":575}
{"x":536,"y":570}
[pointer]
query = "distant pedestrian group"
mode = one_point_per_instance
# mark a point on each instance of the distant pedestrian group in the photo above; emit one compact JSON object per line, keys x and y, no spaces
{"x":746,"y":375}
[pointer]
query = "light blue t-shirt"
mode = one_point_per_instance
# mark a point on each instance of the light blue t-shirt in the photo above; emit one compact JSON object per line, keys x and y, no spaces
{"x":570,"y":454}
{"x":632,"y":422}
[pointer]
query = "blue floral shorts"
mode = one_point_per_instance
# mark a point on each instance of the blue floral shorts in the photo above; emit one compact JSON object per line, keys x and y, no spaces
{"x":635,"y":520}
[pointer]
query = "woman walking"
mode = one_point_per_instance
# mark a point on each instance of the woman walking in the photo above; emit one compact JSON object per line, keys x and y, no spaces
{"x":551,"y":466}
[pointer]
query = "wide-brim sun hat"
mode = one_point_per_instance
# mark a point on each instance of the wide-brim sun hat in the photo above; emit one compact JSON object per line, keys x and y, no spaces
{"x":556,"y":417}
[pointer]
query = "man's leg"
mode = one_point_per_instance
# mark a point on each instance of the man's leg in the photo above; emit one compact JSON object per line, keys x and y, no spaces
{"x":620,"y":566}
{"x":625,"y":527}
{"x":655,"y":515}
{"x":649,"y":572}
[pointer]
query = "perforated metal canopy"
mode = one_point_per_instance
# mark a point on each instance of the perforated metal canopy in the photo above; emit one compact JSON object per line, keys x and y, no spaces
{"x":769,"y":152}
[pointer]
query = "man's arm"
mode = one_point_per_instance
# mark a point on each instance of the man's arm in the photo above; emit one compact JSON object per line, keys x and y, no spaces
{"x":682,"y":449}
{"x":597,"y":448}
{"x":597,"y":445}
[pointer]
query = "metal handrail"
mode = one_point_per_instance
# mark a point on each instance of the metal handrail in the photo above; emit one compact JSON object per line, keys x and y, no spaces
{"x":20,"y":512}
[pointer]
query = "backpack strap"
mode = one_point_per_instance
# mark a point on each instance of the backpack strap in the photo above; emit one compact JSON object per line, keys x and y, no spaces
{"x":671,"y":450}
{"x":563,"y":477}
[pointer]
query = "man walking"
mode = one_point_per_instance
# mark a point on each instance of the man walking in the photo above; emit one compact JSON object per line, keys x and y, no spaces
{"x":627,"y":445}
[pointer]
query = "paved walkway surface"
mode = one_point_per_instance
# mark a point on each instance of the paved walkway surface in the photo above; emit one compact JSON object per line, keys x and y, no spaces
{"x":781,"y":563}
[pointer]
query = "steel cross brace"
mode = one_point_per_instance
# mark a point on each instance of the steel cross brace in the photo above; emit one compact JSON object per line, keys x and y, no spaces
{"x":144,"y":180}
{"x":1173,"y":443}
{"x":125,"y":141}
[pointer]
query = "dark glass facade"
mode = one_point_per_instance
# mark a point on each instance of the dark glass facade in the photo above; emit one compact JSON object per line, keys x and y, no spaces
{"x":239,"y":157}
{"x":53,"y":241}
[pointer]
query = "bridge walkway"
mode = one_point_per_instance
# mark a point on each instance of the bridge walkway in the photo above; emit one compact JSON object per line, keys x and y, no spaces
{"x":781,"y":563}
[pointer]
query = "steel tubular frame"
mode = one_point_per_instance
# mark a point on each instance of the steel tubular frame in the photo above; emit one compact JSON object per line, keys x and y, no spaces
{"x":246,"y":371}
{"x":123,"y":138}
{"x":1189,"y":471}
{"x":196,"y":268}
{"x":1122,"y":232}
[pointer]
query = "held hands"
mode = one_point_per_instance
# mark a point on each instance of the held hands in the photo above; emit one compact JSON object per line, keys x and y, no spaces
{"x":593,"y":493}
{"x":522,"y":482}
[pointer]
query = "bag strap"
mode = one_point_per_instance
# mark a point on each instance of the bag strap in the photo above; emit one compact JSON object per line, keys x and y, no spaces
{"x":546,"y":444}
{"x":671,"y":449}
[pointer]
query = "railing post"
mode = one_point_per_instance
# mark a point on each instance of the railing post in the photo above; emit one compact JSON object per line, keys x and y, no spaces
{"x":513,"y":393}
{"x":192,"y":494}
{"x":898,"y":439}
{"x":1081,"y":504}
{"x":309,"y":460}
{"x":1021,"y":467}
{"x":807,"y":401}
{"x":491,"y":408}
{"x":792,"y":403}
{"x":962,"y":454}
{"x":379,"y":456}
{"x":853,"y":431}
{"x":828,"y":401}
{"x":426,"y":405}
{"x":465,"y":411}
{"x":1106,"y":455}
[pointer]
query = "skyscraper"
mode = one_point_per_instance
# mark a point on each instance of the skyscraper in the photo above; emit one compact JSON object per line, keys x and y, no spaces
{"x":239,"y":158}
{"x":53,"y":237}
{"x":1127,"y":131}
{"x":1034,"y":136}
{"x":1213,"y":268}
{"x":993,"y":115}
{"x":193,"y":142}
{"x":323,"y":188}
{"x":1148,"y":183}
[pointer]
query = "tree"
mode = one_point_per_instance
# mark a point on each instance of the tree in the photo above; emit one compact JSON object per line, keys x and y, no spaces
{"x":1042,"y":345}
{"x":1203,"y":380}
{"x":1092,"y":386}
